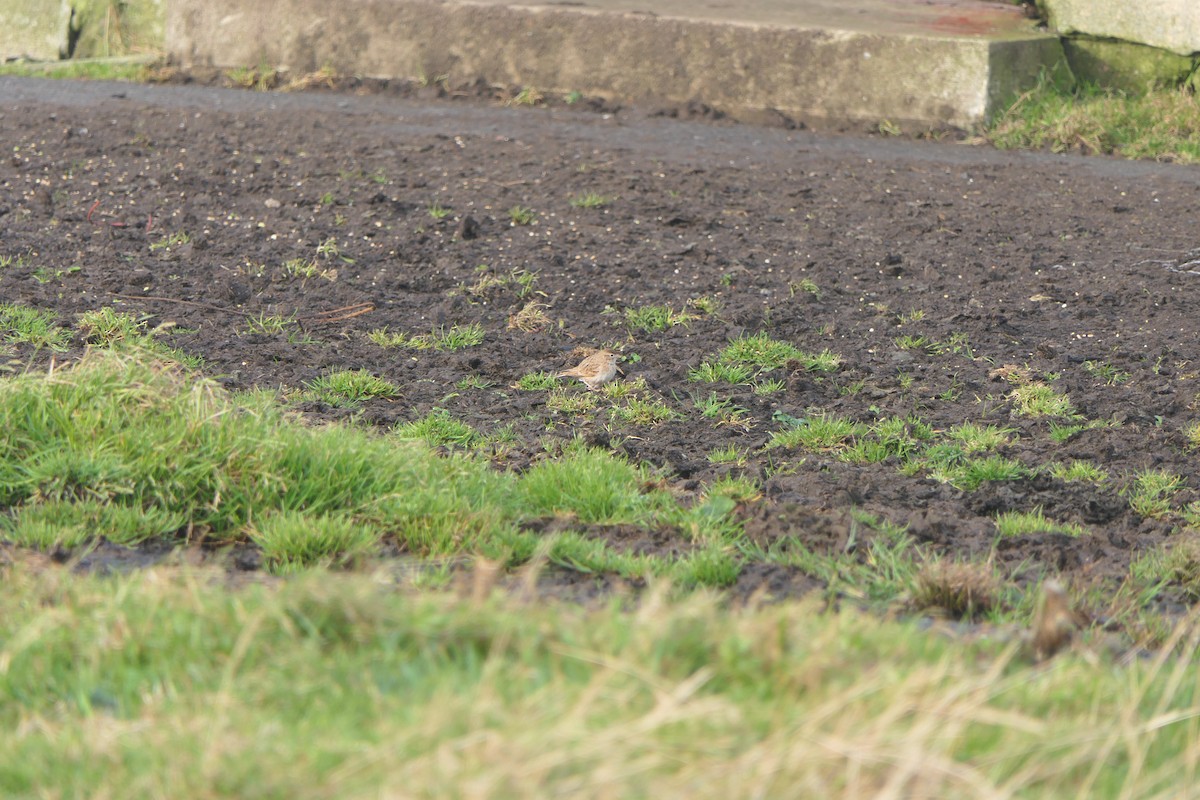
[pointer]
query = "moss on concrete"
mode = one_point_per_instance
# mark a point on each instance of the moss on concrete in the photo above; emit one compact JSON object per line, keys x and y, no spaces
{"x":1126,"y":66}
{"x":102,"y":28}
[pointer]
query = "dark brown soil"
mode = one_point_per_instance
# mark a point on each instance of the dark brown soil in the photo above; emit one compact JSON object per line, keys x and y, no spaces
{"x":1036,"y":261}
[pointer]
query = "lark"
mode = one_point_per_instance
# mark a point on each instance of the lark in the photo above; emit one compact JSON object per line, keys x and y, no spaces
{"x":596,"y":370}
{"x":1055,"y":623}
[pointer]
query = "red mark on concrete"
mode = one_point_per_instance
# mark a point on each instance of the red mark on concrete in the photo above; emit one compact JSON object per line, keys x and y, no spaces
{"x":960,"y":23}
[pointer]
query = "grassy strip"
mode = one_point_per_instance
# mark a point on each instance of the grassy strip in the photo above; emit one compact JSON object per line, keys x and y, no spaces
{"x":1162,"y":124}
{"x":160,"y":684}
{"x":135,"y":69}
{"x":135,"y":448}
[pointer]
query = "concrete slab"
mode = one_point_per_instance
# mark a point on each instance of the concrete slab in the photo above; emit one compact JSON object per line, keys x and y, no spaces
{"x":35,"y":29}
{"x":1169,"y":24}
{"x":912,"y":63}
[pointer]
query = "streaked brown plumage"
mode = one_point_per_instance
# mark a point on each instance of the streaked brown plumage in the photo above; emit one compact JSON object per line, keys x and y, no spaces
{"x":596,"y":370}
{"x":1055,"y":623}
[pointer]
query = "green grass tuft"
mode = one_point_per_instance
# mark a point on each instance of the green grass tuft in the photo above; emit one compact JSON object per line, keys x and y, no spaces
{"x":641,"y":411}
{"x":1151,"y":492}
{"x":537,"y":381}
{"x":24,"y":325}
{"x":750,"y":356}
{"x":456,"y":337}
{"x":439,"y":429}
{"x":113,"y":329}
{"x":590,"y":200}
{"x":655,"y":319}
{"x":1084,"y":471}
{"x":1037,"y":399}
{"x":1017,"y":523}
{"x":716,"y":372}
{"x":67,"y":524}
{"x":349,"y":387}
{"x":589,"y":484}
{"x":294,"y":540}
{"x":820,"y":432}
{"x":519,"y":215}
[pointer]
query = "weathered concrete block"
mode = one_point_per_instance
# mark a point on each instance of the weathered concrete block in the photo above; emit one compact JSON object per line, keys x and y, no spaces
{"x":810,"y":73}
{"x":1125,"y":65}
{"x":1170,"y":24}
{"x":34,"y":28}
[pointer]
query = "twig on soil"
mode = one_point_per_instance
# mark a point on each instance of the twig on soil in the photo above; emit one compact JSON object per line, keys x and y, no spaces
{"x":181,"y":302}
{"x":116,"y":224}
{"x":332,"y":315}
{"x":339,"y":314}
{"x":505,"y":184}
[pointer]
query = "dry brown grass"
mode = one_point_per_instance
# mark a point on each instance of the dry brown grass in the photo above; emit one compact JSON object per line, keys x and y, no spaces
{"x":962,"y":590}
{"x":532,"y":317}
{"x":1163,"y":124}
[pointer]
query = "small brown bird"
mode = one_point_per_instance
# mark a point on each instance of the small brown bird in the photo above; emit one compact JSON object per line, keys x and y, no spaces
{"x":596,"y":370}
{"x":1055,"y":623}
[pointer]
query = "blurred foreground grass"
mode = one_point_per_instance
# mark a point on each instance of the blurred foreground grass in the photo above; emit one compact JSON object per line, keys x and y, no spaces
{"x":170,"y":683}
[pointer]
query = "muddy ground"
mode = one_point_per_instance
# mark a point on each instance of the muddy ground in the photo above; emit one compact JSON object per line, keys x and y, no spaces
{"x":185,"y":204}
